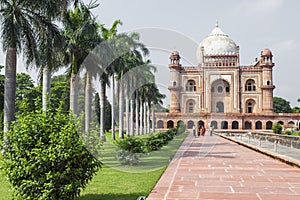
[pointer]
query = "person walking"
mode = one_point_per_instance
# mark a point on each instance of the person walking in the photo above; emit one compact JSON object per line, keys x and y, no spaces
{"x":194,"y":130}
{"x":202,"y":130}
{"x":211,"y":130}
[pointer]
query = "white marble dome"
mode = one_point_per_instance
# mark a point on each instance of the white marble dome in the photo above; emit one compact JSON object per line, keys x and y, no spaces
{"x":217,"y":43}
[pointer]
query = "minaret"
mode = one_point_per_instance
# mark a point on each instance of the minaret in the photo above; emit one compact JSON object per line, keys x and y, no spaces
{"x":174,"y":88}
{"x":267,"y":78}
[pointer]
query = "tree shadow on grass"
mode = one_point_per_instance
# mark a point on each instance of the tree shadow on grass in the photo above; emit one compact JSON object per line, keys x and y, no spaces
{"x":133,"y":196}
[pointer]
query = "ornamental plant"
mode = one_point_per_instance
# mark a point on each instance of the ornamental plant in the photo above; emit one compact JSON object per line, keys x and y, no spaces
{"x":277,"y":128}
{"x":46,"y":157}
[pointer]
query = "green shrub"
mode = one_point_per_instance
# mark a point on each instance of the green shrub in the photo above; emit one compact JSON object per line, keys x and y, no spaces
{"x":46,"y":159}
{"x":159,"y":139}
{"x":132,"y":148}
{"x":181,"y":127}
{"x":288,"y":132}
{"x":277,"y":128}
{"x":131,"y":144}
{"x":154,"y":142}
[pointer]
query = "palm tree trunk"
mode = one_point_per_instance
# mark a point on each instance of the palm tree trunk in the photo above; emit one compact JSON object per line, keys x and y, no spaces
{"x":113,"y":108}
{"x":73,"y":93}
{"x":141,"y":117}
{"x":46,"y":87}
{"x":121,"y":112}
{"x":131,"y":132}
{"x":73,"y":87}
{"x":88,"y":99}
{"x":9,"y":93}
{"x":127,"y":112}
{"x":148,"y":117}
{"x":102,"y":108}
{"x":117,"y":93}
{"x":144,"y":118}
{"x":137,"y":113}
{"x":153,"y":120}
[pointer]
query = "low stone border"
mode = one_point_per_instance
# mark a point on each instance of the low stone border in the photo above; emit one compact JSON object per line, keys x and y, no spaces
{"x":282,"y":158}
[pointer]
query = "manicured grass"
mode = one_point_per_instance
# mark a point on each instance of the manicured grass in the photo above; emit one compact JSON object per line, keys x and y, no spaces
{"x":5,"y":191}
{"x":115,"y":181}
{"x":113,"y":184}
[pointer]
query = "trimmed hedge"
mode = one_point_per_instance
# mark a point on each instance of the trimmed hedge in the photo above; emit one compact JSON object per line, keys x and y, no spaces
{"x":131,"y":148}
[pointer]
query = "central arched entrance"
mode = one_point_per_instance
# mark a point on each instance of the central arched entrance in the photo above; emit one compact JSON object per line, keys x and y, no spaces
{"x":220,"y":93}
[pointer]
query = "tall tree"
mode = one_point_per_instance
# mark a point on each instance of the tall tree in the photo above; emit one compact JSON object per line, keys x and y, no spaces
{"x":281,"y":105}
{"x":21,"y":21}
{"x":81,"y":35}
{"x":109,"y":68}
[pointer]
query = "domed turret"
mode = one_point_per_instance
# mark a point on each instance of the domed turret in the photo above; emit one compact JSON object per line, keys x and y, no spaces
{"x":266,"y":53}
{"x":266,"y":56}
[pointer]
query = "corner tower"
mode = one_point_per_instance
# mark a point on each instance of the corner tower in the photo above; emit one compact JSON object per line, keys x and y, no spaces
{"x":267,"y":80}
{"x":175,"y":68}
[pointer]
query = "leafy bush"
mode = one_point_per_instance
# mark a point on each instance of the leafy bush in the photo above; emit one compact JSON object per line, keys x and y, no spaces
{"x":159,"y":139}
{"x":288,"y":132}
{"x":132,"y":148}
{"x":154,"y":142}
{"x":181,"y":127}
{"x":46,"y":159}
{"x":131,"y":144}
{"x":277,"y":128}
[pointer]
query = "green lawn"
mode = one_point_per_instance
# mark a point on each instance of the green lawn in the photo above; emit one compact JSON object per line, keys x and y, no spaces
{"x":115,"y":181}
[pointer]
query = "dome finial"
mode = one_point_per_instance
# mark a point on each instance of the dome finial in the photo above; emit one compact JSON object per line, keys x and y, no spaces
{"x":217,"y":23}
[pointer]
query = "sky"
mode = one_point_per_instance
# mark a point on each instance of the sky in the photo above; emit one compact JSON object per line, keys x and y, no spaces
{"x":254,"y":25}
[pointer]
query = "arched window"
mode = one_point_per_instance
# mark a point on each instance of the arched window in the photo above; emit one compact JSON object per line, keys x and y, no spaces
{"x":190,"y":124}
{"x":227,"y":88}
{"x":214,"y":124}
{"x":180,"y":123}
{"x":170,"y":124}
{"x":235,"y":125}
{"x":160,"y":124}
{"x":200,"y":123}
{"x":250,"y":85}
{"x":258,"y":125}
{"x":280,"y":122}
{"x":220,"y":89}
{"x":190,"y":106}
{"x":190,"y":86}
{"x":268,"y":82}
{"x":269,"y":125}
{"x":291,"y":124}
{"x":224,"y":125}
{"x":250,"y":106}
{"x":220,"y":107}
{"x":248,"y":125}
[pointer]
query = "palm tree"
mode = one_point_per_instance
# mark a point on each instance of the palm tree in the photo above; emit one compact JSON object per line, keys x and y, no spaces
{"x":51,"y":46}
{"x":81,"y":35}
{"x":108,"y":69}
{"x":135,"y":49}
{"x":48,"y":58}
{"x":153,"y":97}
{"x":21,"y":21}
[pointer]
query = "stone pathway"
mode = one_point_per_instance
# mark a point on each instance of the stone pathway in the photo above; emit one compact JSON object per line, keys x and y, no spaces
{"x":212,"y":167}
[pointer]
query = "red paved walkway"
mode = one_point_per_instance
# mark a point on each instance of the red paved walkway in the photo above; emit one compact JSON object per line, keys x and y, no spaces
{"x":215,"y":168}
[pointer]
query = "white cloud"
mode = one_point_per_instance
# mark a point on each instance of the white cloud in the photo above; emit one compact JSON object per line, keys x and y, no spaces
{"x":258,"y":7}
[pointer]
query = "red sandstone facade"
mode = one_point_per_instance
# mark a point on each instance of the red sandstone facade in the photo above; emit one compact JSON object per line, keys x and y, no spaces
{"x":221,"y":92}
